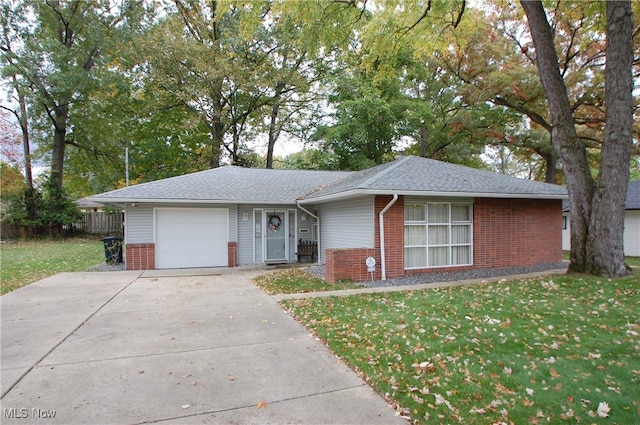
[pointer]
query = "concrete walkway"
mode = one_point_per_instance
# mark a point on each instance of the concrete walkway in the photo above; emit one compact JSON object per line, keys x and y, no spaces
{"x":175,"y":347}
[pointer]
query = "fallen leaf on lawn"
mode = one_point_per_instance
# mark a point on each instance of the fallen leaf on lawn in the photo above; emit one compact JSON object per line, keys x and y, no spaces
{"x":554,"y":373}
{"x":417,"y":399}
{"x":491,"y":321}
{"x":442,"y":400}
{"x":567,"y":415}
{"x":504,"y":389}
{"x":262,"y":404}
{"x":603,"y":409}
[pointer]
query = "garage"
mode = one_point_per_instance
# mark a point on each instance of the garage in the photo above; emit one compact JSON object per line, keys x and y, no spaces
{"x":191,"y":237}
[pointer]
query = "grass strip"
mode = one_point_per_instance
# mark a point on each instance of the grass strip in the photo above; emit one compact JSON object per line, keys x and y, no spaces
{"x":297,"y":280}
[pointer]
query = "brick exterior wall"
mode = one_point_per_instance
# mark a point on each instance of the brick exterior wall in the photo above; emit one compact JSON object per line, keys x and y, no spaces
{"x":516,"y":232}
{"x":393,"y":235}
{"x":349,"y":264}
{"x":232,"y":254}
{"x":140,"y":256}
{"x":506,"y":233}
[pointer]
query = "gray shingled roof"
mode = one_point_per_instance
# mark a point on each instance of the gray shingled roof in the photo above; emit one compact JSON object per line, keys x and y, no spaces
{"x":420,"y":176}
{"x":407,"y":175}
{"x":226,"y":184}
{"x":633,"y":196}
{"x":632,"y":200}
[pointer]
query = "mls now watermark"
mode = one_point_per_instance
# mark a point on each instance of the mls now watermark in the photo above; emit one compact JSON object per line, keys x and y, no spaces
{"x":24,"y":413}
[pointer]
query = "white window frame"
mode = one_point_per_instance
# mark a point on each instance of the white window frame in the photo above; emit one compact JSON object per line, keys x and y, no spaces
{"x":450,"y":224}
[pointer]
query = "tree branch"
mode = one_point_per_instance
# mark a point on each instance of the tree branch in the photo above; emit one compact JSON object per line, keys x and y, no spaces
{"x":535,"y":117}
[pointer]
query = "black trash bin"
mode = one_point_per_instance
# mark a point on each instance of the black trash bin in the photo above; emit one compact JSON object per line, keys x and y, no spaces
{"x":113,"y":249}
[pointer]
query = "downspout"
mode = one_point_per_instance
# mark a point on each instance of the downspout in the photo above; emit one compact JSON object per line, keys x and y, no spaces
{"x":317,"y":221}
{"x":383,"y":263}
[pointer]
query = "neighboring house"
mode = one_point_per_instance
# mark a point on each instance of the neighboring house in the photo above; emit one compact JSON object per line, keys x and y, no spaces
{"x":631,"y":222}
{"x":413,"y":215}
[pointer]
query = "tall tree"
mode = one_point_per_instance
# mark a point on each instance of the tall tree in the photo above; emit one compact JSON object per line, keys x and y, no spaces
{"x":367,"y":122}
{"x":597,"y":207}
{"x":60,"y":44}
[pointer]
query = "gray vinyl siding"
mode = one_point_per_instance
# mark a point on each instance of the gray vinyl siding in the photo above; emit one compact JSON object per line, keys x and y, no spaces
{"x":139,"y":224}
{"x":347,"y":224}
{"x":139,"y":220}
{"x":245,"y":234}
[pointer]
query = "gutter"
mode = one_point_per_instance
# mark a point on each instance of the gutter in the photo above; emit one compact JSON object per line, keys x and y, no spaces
{"x":317,"y":221}
{"x":383,"y":263}
{"x":434,"y":194}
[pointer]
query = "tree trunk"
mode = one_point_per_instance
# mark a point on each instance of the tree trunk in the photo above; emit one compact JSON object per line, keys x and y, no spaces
{"x":571,"y":150}
{"x":59,"y":118}
{"x":217,"y":135}
{"x":606,"y":229}
{"x":550,"y":158}
{"x":274,"y":132}
{"x":30,"y":200}
{"x":424,"y":142}
{"x":217,"y":130}
{"x":586,"y":240}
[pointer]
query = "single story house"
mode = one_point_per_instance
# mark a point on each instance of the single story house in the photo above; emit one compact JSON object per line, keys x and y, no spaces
{"x":412,"y":215}
{"x":631,"y":235}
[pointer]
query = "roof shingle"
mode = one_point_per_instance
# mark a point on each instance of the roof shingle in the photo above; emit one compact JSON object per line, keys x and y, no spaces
{"x":414,"y":175}
{"x":227,"y":184}
{"x":404,"y":176}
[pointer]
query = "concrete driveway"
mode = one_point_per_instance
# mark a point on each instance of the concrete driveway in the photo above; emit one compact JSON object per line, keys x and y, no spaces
{"x":172,"y":346}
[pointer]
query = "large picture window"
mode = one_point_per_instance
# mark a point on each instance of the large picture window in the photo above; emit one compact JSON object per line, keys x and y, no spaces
{"x":437,"y":234}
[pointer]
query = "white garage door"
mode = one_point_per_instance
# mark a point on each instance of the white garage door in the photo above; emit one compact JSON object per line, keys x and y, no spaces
{"x":191,"y":237}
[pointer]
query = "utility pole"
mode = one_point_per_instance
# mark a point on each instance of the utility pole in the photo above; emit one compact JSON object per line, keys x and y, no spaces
{"x":126,"y":165}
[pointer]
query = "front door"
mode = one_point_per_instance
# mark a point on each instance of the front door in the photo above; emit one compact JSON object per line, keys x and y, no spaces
{"x":275,"y":235}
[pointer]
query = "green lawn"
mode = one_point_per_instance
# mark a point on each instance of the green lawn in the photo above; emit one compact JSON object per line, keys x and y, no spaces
{"x":560,"y":349}
{"x":24,"y":262}
{"x":293,"y":281}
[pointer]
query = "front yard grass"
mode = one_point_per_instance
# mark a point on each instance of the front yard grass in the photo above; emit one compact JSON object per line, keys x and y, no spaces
{"x":556,"y":349}
{"x":293,"y":281}
{"x":25,"y":262}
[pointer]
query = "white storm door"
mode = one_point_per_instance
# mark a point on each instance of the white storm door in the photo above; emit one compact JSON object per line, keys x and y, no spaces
{"x":191,"y":237}
{"x":275,"y":235}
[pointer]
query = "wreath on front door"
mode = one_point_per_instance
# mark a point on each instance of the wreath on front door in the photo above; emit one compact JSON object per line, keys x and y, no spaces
{"x":274,"y":222}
